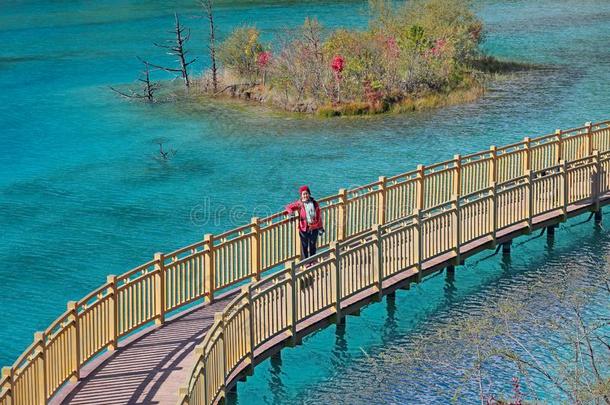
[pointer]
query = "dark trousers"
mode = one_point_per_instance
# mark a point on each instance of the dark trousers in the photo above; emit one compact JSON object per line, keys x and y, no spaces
{"x":308,"y":243}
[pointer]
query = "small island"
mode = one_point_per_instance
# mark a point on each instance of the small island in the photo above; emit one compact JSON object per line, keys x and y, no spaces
{"x":413,"y":56}
{"x":421,"y":54}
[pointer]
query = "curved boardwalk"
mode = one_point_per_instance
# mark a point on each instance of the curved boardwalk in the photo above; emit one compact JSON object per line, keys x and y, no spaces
{"x":149,"y":368}
{"x":380,"y":237}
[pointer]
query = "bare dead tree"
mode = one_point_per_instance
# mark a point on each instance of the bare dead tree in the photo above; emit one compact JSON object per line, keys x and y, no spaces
{"x":176,"y":48}
{"x":208,"y":7}
{"x":149,"y":88}
{"x":164,"y":155}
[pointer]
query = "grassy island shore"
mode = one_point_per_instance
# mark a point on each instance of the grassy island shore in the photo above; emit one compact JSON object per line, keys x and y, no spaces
{"x":417,"y":55}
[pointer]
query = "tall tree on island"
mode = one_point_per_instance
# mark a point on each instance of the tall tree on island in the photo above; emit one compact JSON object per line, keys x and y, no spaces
{"x":177,"y":49}
{"x":208,"y":7}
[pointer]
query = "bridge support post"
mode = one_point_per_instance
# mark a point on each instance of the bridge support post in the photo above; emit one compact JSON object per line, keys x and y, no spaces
{"x":550,"y":231}
{"x":231,"y":397}
{"x":276,"y":359}
{"x":598,"y":217}
{"x":506,"y":248}
{"x":450,"y":275}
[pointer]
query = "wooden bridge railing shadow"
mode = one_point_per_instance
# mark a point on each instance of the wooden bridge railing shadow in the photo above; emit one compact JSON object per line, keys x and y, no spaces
{"x":378,"y":237}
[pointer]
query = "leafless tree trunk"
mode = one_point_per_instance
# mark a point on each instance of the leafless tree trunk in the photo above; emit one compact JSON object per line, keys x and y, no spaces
{"x":177,"y":49}
{"x":208,"y":7}
{"x":148,"y":91}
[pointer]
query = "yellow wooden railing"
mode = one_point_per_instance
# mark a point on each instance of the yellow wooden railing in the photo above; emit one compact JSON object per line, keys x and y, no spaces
{"x":401,"y":221}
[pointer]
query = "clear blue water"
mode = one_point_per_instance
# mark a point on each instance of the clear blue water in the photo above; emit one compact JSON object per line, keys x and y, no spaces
{"x":81,"y":195}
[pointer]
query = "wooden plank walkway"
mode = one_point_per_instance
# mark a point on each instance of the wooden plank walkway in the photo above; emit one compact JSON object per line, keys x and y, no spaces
{"x":147,"y":369}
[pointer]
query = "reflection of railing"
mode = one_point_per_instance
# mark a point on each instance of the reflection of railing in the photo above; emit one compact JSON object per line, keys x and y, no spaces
{"x":496,"y":188}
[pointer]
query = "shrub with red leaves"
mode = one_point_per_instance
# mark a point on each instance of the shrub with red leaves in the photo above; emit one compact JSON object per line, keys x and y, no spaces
{"x":337,"y":64}
{"x":263,"y":59}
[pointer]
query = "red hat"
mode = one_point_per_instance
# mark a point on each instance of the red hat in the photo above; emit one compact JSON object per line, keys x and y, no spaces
{"x":304,"y":188}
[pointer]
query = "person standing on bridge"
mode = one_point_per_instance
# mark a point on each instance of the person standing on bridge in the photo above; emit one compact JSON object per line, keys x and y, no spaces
{"x":310,"y":221}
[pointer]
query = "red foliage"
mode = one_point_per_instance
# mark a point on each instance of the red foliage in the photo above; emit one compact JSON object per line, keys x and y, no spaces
{"x":372,"y":95}
{"x":337,"y":64}
{"x":437,"y":49}
{"x":263,"y":59}
{"x":392,"y":48}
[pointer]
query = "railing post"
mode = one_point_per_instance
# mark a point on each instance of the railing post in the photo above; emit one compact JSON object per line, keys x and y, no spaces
{"x":530,"y":198}
{"x":589,"y":126}
{"x":249,"y":324}
{"x":72,"y":307}
{"x":494,"y":212}
{"x":559,"y":147}
{"x":199,"y":354}
{"x":457,"y":231}
{"x":39,"y":338}
{"x":114,"y":313}
{"x":419,"y":194}
{"x":342,"y":215}
{"x":255,"y":249}
{"x":597,"y":181}
{"x":493,"y":166}
{"x":334,"y":247}
{"x":159,"y":288}
{"x":419,"y":249}
{"x":382,"y":201}
{"x":564,"y":190}
{"x":8,"y":372}
{"x":527,"y":160}
{"x":378,"y":260}
{"x":219,"y":317}
{"x":292,"y":302}
{"x":297,"y":237}
{"x":183,"y":395}
{"x":210,"y":271}
{"x":457,"y":176}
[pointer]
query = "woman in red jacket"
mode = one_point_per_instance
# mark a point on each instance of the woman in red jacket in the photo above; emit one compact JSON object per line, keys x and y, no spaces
{"x":310,"y":221}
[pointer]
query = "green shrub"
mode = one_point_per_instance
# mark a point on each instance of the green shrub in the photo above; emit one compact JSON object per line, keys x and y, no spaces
{"x":240,"y":50}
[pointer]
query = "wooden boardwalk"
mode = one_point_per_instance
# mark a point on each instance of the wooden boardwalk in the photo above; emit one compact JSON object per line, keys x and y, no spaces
{"x":150,"y":368}
{"x":147,"y":369}
{"x":380,"y":237}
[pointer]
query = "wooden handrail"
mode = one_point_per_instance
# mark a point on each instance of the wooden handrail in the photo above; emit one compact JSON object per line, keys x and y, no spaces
{"x":146,"y":293}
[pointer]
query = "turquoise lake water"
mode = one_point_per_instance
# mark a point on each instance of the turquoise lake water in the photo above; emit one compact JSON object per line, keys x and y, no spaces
{"x":82,"y":196}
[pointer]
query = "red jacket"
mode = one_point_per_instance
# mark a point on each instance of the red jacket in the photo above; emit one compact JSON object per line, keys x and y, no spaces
{"x":298,"y":205}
